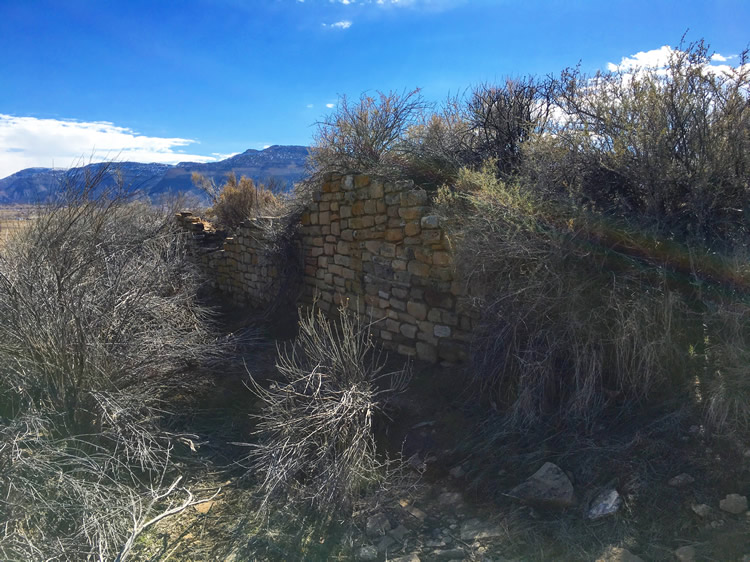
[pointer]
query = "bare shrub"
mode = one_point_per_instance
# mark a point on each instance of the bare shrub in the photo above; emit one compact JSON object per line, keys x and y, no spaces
{"x":364,"y":136}
{"x":664,"y":147}
{"x":568,"y":327}
{"x":315,"y":433}
{"x":238,"y":200}
{"x":502,"y":118}
{"x":99,"y":319}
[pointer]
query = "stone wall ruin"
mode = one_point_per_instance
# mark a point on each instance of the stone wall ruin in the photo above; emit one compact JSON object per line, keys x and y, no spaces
{"x":369,"y":244}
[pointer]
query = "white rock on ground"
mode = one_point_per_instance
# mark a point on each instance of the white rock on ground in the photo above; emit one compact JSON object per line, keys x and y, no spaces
{"x":377,"y":525}
{"x":547,"y":487}
{"x":734,"y":503}
{"x":449,"y":554}
{"x":681,"y":480}
{"x":450,"y":498}
{"x":605,"y":503}
{"x":407,"y":558}
{"x":701,"y":509}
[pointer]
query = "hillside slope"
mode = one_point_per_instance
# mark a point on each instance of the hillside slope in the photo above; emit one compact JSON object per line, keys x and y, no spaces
{"x":285,"y":163}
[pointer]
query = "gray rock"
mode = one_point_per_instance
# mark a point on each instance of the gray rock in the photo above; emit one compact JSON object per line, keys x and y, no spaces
{"x":685,"y":554}
{"x":367,"y":552}
{"x":448,"y":554}
{"x":386,"y":543}
{"x":399,"y":533}
{"x":407,"y":558}
{"x":701,"y":509}
{"x":681,"y":480}
{"x":377,"y":525}
{"x":734,"y":503}
{"x":606,"y":503}
{"x":475,"y":529}
{"x":547,"y":487}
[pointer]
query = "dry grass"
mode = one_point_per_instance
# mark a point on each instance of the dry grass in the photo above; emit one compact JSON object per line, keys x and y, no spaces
{"x":14,"y":219}
{"x":568,"y":328}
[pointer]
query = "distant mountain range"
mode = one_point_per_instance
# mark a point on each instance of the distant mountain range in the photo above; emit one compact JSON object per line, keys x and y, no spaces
{"x":285,"y":163}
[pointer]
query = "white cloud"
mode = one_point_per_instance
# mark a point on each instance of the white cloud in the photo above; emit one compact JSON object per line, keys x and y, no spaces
{"x":330,"y":105}
{"x":659,"y":59}
{"x":28,"y":142}
{"x":344,"y":24}
{"x":655,"y":58}
{"x":309,"y":106}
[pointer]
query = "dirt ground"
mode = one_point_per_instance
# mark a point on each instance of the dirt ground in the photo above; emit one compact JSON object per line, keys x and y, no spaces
{"x":462,"y":463}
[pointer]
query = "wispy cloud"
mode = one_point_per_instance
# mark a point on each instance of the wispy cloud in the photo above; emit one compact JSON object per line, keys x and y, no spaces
{"x":29,"y":142}
{"x":344,"y":24}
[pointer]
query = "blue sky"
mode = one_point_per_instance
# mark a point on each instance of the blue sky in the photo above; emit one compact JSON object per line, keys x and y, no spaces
{"x":198,"y":80}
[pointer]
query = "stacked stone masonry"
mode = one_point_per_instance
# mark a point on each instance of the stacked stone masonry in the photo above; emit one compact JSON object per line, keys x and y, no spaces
{"x":243,"y":267}
{"x":370,"y":245}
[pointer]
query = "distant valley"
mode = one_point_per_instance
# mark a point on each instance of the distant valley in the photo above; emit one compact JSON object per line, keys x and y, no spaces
{"x":285,"y":163}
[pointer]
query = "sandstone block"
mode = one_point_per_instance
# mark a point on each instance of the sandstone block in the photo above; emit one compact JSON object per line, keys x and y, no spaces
{"x":417,"y":268}
{"x":397,"y":304}
{"x":358,"y":208}
{"x":373,"y":246}
{"x":388,"y":250}
{"x":412,"y":229}
{"x":417,"y":309}
{"x":409,"y":331}
{"x":423,"y":255}
{"x":394,"y":235}
{"x":417,"y":197}
{"x":406,"y":350}
{"x":441,"y":258}
{"x":442,"y":331}
{"x":392,"y":325}
{"x":376,"y":189}
{"x":411,"y":213}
